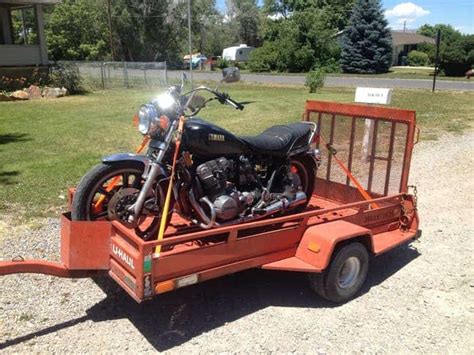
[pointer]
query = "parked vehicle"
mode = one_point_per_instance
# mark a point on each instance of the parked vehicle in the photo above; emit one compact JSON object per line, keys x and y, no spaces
{"x":238,"y":53}
{"x":220,"y":179}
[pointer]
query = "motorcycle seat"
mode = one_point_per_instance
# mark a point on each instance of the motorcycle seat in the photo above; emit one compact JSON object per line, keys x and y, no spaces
{"x":280,"y":139}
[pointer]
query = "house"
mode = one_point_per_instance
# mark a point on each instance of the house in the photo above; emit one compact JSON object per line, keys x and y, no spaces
{"x":22,"y":38}
{"x":238,"y":53}
{"x":405,"y":42}
{"x":402,"y":42}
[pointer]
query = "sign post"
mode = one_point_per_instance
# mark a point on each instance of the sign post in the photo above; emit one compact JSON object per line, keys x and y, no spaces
{"x":371,"y":96}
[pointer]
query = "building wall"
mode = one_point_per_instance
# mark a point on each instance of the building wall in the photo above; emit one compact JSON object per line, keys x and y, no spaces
{"x":13,"y":55}
{"x":22,"y":55}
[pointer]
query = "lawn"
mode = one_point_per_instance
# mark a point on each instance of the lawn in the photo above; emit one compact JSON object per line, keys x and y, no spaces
{"x":47,"y":145}
{"x":407,"y":73}
{"x":394,"y":73}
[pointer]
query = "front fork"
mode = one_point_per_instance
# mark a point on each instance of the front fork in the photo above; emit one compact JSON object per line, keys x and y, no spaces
{"x":151,"y":173}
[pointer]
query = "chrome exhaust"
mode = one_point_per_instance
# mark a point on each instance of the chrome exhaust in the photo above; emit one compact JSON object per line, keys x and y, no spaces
{"x":208,"y":222}
{"x":282,"y":204}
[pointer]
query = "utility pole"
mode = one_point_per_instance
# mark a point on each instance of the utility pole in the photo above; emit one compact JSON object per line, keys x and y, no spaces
{"x":404,"y":26}
{"x":438,"y":42}
{"x":190,"y":45}
{"x":109,"y":16}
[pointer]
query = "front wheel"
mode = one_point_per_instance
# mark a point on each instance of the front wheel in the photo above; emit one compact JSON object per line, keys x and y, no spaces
{"x":107,"y":190}
{"x":345,"y":275}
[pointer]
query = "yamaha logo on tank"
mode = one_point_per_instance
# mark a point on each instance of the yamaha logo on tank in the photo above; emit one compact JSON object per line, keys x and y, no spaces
{"x":216,"y":137}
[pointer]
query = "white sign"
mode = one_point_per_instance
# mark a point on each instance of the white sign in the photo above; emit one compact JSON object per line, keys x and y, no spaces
{"x":373,"y":96}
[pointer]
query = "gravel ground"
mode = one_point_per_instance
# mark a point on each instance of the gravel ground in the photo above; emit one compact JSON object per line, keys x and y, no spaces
{"x":416,"y":299}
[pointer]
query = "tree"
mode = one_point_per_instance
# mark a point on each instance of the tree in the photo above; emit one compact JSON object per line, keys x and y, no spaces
{"x":243,"y":20}
{"x":76,"y":30}
{"x":367,"y":43}
{"x":456,"y":50}
{"x":296,"y":38}
{"x":336,"y":10}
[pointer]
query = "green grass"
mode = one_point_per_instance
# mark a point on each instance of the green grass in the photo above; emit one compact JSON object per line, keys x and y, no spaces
{"x":394,"y":73}
{"x":47,"y":145}
{"x":407,"y":73}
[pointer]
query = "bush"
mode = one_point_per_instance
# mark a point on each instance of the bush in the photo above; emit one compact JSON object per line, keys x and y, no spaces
{"x":315,"y":80}
{"x":455,"y":60}
{"x":417,"y":59}
{"x":222,"y":63}
{"x":66,"y":75}
{"x":263,"y":59}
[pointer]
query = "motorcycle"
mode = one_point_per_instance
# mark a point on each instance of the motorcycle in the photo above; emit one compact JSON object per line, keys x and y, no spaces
{"x":217,"y":178}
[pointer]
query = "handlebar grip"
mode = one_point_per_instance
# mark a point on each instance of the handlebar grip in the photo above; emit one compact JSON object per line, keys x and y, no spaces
{"x":235,"y":105}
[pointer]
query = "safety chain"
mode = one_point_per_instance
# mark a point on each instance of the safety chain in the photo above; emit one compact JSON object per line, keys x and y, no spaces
{"x":405,"y":211}
{"x":415,"y":195}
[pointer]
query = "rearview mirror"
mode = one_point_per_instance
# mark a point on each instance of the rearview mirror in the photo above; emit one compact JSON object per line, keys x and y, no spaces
{"x":184,"y":79}
{"x":231,"y":75}
{"x":197,"y":101}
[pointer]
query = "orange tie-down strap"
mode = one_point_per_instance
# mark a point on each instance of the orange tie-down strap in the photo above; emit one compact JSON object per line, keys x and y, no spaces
{"x":348,"y":173}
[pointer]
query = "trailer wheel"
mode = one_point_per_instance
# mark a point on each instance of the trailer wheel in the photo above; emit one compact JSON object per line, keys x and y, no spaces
{"x":345,"y":275}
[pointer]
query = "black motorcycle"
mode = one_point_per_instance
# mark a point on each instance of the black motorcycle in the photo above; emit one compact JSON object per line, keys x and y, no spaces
{"x":219,"y":178}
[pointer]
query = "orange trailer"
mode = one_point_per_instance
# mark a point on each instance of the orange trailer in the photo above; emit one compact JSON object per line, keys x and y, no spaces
{"x":332,"y":240}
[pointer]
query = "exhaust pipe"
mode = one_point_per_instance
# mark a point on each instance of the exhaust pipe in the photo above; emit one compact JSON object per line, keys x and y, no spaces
{"x":283,"y":204}
{"x":208,"y":222}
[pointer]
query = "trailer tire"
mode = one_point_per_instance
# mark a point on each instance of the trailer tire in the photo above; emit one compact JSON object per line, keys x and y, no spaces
{"x":345,"y":274}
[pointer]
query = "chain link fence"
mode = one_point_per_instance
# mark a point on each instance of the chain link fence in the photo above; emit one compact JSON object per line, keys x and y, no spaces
{"x":111,"y":75}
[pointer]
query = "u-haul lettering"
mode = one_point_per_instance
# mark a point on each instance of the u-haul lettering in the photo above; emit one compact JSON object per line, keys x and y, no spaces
{"x":127,"y":259}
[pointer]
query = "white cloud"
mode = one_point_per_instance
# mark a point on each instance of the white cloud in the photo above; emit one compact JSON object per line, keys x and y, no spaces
{"x":468,"y":30}
{"x":405,"y":11}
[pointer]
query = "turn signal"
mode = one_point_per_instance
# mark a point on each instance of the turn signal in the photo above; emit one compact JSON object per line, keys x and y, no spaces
{"x":135,"y":120}
{"x":164,"y":122}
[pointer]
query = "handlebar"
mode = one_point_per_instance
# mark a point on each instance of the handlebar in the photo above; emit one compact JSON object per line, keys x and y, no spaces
{"x":235,"y":104}
{"x":221,"y":96}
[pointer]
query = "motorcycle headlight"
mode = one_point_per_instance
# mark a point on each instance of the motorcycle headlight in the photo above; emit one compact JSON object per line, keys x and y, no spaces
{"x":147,"y":117}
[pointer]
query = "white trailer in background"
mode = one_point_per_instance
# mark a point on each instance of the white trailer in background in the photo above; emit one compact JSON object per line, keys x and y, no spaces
{"x":239,"y":53}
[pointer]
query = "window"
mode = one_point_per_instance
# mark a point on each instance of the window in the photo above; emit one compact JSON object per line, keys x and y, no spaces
{"x":24,"y":27}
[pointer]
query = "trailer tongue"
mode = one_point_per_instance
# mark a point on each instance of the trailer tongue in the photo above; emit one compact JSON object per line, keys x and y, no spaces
{"x":331,"y":240}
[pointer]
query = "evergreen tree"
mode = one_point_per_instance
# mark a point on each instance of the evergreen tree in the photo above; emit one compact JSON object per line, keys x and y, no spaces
{"x":367,"y":42}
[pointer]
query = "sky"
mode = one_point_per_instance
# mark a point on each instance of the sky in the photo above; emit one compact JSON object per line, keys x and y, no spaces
{"x":458,"y":13}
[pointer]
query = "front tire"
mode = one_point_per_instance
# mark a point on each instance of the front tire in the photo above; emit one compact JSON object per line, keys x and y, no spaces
{"x":94,"y":187}
{"x":345,"y":275}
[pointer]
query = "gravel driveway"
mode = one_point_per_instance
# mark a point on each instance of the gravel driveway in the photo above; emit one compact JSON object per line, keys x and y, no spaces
{"x":417,"y":299}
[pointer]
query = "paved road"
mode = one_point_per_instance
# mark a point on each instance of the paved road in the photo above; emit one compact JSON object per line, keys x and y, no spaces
{"x":333,"y":81}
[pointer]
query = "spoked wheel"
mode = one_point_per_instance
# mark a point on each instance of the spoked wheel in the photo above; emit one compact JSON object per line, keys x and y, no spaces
{"x":108,"y":190}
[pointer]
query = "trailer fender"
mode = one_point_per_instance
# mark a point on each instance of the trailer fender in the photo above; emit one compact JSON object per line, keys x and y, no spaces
{"x":319,"y":242}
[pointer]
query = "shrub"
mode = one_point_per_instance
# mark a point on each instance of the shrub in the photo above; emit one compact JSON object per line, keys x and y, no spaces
{"x":315,"y":80}
{"x":66,"y":75}
{"x":222,"y":63}
{"x":417,"y":59}
{"x":263,"y":59}
{"x":455,"y":60}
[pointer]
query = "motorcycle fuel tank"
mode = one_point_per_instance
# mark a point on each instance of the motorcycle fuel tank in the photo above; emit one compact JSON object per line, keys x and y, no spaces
{"x":206,"y":140}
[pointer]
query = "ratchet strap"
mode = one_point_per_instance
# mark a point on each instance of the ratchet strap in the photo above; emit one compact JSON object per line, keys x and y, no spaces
{"x":166,"y":207}
{"x":332,"y":151}
{"x":116,"y":179}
